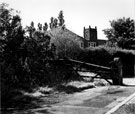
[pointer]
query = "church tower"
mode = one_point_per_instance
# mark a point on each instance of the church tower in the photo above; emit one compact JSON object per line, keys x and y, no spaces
{"x":90,"y":35}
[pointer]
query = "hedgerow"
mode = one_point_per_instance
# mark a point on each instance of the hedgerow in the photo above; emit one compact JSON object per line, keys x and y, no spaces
{"x":104,"y":55}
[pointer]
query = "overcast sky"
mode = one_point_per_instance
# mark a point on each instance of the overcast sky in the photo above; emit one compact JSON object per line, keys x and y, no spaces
{"x":77,"y":13}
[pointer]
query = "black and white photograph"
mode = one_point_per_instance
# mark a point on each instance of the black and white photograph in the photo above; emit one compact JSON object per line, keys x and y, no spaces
{"x":67,"y":56}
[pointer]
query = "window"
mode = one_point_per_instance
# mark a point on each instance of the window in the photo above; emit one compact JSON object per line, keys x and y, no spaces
{"x":94,"y":44}
{"x":91,"y":44}
{"x":88,"y":44}
{"x":87,"y":35}
{"x":82,"y":45}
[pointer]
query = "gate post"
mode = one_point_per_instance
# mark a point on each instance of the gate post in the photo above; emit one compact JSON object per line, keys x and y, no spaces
{"x":118,"y":72}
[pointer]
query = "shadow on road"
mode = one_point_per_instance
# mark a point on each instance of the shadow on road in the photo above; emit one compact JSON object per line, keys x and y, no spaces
{"x":16,"y":101}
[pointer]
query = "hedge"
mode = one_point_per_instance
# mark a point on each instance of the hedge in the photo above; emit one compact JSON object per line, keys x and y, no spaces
{"x":104,"y":55}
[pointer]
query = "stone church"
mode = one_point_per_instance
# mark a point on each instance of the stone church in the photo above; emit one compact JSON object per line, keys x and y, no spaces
{"x":90,"y":38}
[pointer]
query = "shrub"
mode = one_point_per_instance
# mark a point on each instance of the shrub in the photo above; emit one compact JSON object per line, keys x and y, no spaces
{"x":104,"y":55}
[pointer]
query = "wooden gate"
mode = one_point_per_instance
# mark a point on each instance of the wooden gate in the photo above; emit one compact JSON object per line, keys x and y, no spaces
{"x":114,"y":72}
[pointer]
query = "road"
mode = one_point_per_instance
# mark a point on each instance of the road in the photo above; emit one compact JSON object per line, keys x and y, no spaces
{"x":97,"y":100}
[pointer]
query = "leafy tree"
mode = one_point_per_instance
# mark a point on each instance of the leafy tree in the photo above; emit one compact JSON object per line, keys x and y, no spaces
{"x":23,"y":54}
{"x":51,"y":23}
{"x":11,"y":31}
{"x":10,"y":25}
{"x":11,"y":40}
{"x":66,"y":45}
{"x":61,"y":18}
{"x":31,"y":29}
{"x":121,"y":31}
{"x":45,"y":27}
{"x":55,"y":23}
{"x":39,"y":26}
{"x":39,"y":51}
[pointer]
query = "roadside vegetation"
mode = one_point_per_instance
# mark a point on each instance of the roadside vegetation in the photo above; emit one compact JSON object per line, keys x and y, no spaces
{"x":26,"y":55}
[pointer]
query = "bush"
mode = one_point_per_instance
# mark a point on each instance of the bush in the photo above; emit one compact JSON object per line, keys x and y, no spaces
{"x":104,"y":55}
{"x":99,"y":56}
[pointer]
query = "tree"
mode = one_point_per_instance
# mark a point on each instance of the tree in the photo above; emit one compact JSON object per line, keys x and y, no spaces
{"x":45,"y":27}
{"x":11,"y":40}
{"x":11,"y":31}
{"x":9,"y":24}
{"x":30,"y":29}
{"x":23,"y":53}
{"x":61,"y":18}
{"x":39,"y":26}
{"x":66,"y":45}
{"x":55,"y":23}
{"x":121,"y":31}
{"x":51,"y":23}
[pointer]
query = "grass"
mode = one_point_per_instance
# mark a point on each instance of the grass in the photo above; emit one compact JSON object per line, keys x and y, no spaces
{"x":74,"y":86}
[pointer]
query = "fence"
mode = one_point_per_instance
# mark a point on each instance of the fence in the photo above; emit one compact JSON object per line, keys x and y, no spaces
{"x":114,"y":72}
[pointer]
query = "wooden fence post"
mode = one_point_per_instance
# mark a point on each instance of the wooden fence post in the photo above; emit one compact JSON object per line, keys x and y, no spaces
{"x":134,"y":69}
{"x":118,"y":75}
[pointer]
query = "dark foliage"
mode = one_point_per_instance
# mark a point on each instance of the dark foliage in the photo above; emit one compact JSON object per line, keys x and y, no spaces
{"x":61,"y":18}
{"x":128,"y":61}
{"x":104,"y":56}
{"x":98,"y":56}
{"x":24,"y":58}
{"x":121,"y":33}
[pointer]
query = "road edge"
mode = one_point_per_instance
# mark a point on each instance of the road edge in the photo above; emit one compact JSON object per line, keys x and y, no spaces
{"x":120,"y":104}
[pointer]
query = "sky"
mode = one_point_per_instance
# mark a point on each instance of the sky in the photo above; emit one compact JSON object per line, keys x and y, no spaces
{"x":77,"y":13}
